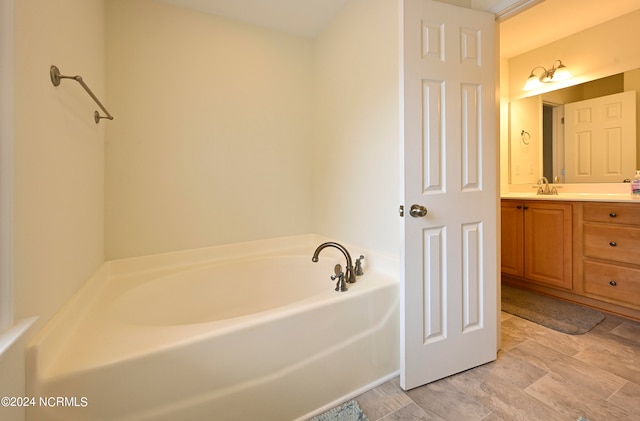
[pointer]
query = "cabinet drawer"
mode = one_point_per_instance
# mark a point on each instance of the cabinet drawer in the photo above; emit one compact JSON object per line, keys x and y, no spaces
{"x":611,"y":281}
{"x":612,"y":242}
{"x":618,"y":213}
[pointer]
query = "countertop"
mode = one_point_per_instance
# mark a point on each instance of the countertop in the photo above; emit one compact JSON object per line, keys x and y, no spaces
{"x":594,"y":192}
{"x":572,"y":197}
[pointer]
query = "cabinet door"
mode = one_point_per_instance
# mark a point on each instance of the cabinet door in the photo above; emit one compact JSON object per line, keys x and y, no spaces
{"x":548,"y":238}
{"x":512,"y":237}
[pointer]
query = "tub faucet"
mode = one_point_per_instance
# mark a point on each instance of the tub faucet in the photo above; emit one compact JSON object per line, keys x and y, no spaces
{"x":349,"y":275}
{"x":340,"y":285}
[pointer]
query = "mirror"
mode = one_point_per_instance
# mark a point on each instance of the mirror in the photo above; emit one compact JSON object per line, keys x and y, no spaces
{"x":536,"y":133}
{"x":598,"y":49}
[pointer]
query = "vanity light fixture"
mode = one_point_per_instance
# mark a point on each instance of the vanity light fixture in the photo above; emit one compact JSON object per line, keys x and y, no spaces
{"x":556,"y":73}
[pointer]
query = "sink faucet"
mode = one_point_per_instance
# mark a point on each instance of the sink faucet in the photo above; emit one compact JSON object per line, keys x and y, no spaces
{"x":543,"y":181}
{"x":349,"y":275}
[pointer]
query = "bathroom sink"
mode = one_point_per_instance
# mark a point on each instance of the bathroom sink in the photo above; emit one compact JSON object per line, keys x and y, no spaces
{"x":599,"y":197}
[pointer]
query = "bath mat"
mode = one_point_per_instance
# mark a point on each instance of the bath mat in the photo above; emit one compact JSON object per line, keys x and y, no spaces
{"x":550,"y":312}
{"x":349,"y":411}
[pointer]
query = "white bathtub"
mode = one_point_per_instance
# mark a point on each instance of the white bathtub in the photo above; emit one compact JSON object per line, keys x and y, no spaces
{"x":243,"y":332}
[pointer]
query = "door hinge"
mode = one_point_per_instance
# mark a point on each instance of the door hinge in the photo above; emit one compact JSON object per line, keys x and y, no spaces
{"x":401,"y":210}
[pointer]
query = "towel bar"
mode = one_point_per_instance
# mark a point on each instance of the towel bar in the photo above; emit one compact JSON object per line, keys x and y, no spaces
{"x":54,"y":72}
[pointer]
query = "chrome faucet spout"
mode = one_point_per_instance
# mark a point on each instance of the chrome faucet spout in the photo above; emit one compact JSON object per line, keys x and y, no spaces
{"x":543,"y":181}
{"x":349,"y":275}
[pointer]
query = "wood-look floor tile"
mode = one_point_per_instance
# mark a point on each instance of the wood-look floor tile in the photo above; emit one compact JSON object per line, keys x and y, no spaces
{"x":411,"y":412}
{"x":441,"y":400}
{"x":492,"y":417}
{"x":630,"y":331}
{"x":575,"y":400}
{"x":383,"y":400}
{"x":628,"y":398}
{"x":609,"y":323}
{"x":591,"y":382}
{"x":517,"y":371}
{"x":500,"y":396}
{"x":522,"y":329}
{"x":504,"y":316}
{"x":540,"y":374}
{"x":620,"y":360}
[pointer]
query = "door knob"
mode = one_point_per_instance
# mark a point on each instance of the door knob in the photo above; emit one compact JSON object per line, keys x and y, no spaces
{"x":418,"y":211}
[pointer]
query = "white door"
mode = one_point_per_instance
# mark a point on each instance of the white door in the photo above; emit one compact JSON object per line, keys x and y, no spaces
{"x":449,"y":263}
{"x":600,"y":139}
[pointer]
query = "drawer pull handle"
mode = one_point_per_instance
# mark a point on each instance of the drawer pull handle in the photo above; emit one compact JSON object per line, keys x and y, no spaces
{"x":613,"y":214}
{"x":613,"y":283}
{"x":613,"y":244}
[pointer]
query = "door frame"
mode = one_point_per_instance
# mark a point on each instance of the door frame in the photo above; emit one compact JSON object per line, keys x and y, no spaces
{"x":6,"y":162}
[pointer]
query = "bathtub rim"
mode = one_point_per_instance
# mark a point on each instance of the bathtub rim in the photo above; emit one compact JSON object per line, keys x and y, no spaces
{"x":177,"y":336}
{"x":271,"y":246}
{"x":45,"y":348}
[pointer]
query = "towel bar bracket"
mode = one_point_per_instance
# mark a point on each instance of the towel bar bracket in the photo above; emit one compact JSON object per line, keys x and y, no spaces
{"x":54,"y":72}
{"x":55,"y":75}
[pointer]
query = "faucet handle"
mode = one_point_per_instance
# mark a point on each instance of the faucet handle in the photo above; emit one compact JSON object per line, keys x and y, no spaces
{"x":338,"y":273}
{"x":337,"y":270}
{"x":341,"y":286}
{"x":358,"y":269}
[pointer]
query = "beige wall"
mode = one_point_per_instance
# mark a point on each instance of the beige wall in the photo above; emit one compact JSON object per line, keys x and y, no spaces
{"x":504,"y":122}
{"x":228,"y":132}
{"x":58,"y":164}
{"x":356,"y":182}
{"x":596,"y":52}
{"x":58,"y":152}
{"x":212,"y":139}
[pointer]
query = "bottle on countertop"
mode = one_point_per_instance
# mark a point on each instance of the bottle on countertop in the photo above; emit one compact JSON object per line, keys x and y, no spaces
{"x":635,"y":186}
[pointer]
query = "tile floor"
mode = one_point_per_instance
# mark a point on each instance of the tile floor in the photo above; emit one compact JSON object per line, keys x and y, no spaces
{"x":540,"y":374}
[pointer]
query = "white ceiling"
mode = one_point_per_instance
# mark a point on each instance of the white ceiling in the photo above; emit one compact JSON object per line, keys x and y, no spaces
{"x":303,"y":17}
{"x":545,"y":22}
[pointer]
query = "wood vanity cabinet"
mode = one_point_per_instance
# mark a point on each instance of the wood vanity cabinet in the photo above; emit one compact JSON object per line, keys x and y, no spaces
{"x":536,"y":242}
{"x":610,"y":261}
{"x":584,"y":252}
{"x":512,"y":237}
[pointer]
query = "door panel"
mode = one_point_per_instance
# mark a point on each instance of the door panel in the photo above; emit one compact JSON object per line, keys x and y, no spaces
{"x":548,"y":253}
{"x":449,"y":277}
{"x":600,"y":136}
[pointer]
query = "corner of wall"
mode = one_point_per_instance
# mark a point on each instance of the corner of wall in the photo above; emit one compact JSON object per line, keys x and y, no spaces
{"x":356,"y":156}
